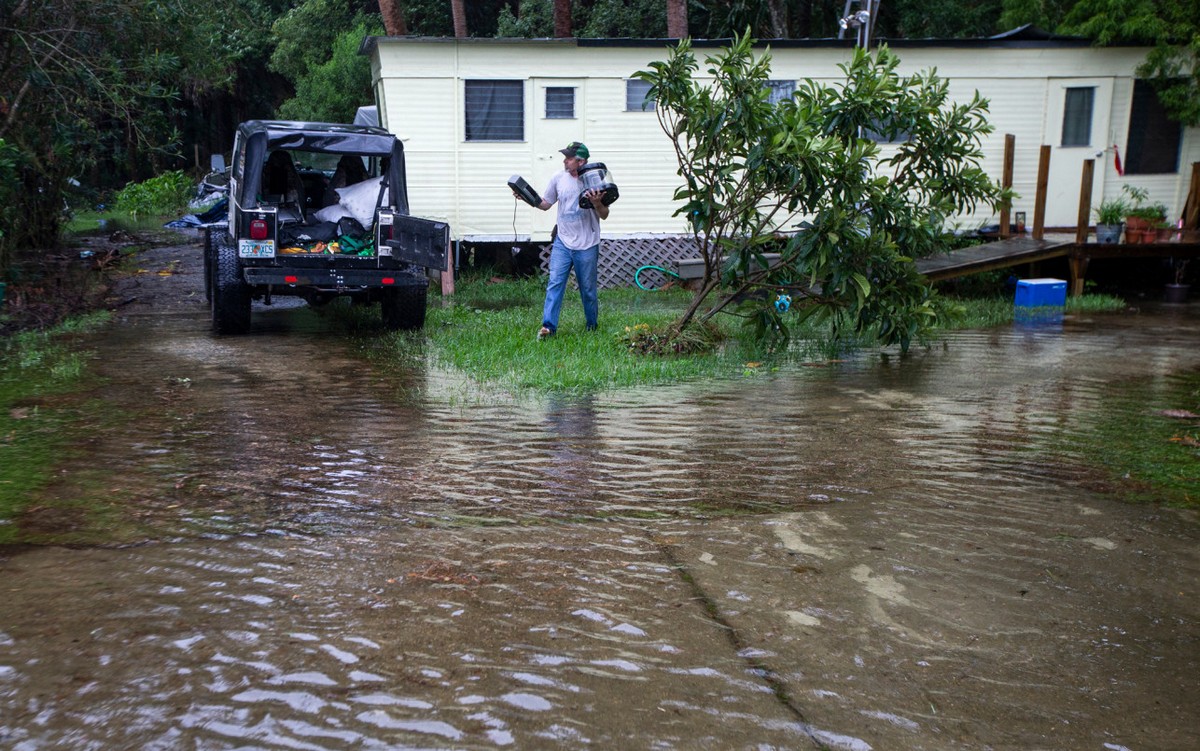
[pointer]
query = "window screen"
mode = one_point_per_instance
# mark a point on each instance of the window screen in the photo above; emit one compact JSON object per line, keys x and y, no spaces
{"x":778,"y":91}
{"x":560,"y":103}
{"x":635,"y":96}
{"x":1153,"y":146}
{"x":1077,"y":116}
{"x":495,"y":110}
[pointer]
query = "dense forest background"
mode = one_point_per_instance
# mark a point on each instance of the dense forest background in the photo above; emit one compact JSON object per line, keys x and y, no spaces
{"x":95,"y":95}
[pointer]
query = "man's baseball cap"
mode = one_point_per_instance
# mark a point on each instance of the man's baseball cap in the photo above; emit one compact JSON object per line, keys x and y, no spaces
{"x":575,"y":149}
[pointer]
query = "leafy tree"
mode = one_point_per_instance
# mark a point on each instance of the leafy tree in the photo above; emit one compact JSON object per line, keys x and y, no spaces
{"x":332,"y":91}
{"x":603,"y":18}
{"x":305,"y":35}
{"x":100,"y":89}
{"x":938,"y":19}
{"x":71,"y":92}
{"x":1044,"y":14}
{"x":1173,"y":29}
{"x":535,"y":20}
{"x":623,"y":18}
{"x":801,"y":178}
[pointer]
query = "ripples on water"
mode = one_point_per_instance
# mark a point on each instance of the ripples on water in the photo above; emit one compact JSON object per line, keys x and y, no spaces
{"x":368,"y":570}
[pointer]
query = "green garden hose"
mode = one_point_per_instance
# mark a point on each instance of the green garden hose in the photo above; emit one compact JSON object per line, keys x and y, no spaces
{"x":637,"y":276}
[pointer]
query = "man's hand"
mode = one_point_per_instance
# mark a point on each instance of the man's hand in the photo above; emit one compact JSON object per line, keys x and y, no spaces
{"x":597,"y":199}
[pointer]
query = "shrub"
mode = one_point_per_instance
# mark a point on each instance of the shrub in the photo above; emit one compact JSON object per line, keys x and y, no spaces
{"x":164,"y":195}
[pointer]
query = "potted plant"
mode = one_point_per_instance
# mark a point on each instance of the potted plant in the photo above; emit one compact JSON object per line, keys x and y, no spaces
{"x":1110,"y":219}
{"x":1177,"y":292}
{"x":1142,"y":219}
{"x":1167,"y":232}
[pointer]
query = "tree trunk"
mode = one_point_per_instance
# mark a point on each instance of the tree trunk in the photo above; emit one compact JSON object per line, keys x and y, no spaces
{"x":562,"y":18}
{"x":393,"y":17}
{"x":697,"y":300}
{"x":459,"y":12}
{"x":677,"y":20}
{"x":777,"y":12}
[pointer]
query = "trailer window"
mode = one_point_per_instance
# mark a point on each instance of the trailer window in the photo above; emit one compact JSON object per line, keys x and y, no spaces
{"x":1077,"y":116}
{"x":560,"y":103}
{"x":1153,"y":145}
{"x":495,"y":110}
{"x":636,"y":100}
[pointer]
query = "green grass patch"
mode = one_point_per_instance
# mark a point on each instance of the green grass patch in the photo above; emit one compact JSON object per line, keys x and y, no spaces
{"x":36,"y":367}
{"x":1143,"y":439}
{"x":989,"y":312}
{"x":489,"y":331}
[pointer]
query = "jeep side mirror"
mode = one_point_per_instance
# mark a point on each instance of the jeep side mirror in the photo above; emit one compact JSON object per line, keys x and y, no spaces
{"x":217,"y":163}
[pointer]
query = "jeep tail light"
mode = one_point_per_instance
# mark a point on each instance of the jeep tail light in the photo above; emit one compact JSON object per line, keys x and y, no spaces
{"x":291,"y":279}
{"x":389,"y":280}
{"x":258,"y":229}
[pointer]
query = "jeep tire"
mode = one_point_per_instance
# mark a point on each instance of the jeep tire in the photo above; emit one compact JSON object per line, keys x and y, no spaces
{"x":209,"y":243}
{"x":230,"y":293}
{"x":403,"y":308}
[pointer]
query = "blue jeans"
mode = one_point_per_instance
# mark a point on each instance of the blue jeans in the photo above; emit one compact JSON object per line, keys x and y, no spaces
{"x":562,"y":259}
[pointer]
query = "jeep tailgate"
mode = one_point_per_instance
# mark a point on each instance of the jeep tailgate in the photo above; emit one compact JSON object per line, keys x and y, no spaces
{"x":420,"y":241}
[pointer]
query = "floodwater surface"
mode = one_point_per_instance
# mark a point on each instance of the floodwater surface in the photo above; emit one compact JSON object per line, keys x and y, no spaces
{"x":873,"y":554}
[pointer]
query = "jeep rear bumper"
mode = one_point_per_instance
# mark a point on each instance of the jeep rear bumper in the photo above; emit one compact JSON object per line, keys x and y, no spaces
{"x":330,"y":279}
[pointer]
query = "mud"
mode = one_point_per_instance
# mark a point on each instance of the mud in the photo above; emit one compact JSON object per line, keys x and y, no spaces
{"x":880,"y":555}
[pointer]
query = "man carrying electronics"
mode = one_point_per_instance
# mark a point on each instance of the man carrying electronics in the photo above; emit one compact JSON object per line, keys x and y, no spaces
{"x":576,"y":242}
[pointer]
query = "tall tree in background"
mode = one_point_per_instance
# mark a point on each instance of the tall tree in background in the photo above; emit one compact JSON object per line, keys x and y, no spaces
{"x":392,"y":12}
{"x":459,"y":12}
{"x":677,"y":19}
{"x":562,"y":18}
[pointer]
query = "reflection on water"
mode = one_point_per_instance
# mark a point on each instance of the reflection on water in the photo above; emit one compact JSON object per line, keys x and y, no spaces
{"x":870,"y":555}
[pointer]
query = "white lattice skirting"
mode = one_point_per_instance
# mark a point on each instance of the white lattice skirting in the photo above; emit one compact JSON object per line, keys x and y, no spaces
{"x":620,"y":258}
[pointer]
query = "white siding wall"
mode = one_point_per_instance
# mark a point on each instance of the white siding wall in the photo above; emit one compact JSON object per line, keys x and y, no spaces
{"x":421,"y":100}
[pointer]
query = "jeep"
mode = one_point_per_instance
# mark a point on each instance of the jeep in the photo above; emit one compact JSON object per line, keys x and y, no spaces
{"x":320,"y":211}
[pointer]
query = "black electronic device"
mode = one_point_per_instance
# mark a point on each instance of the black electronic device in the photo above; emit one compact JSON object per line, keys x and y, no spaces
{"x":524,"y":190}
{"x":596,"y":177}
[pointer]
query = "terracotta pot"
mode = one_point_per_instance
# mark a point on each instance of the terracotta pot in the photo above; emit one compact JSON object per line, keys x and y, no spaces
{"x":1145,"y":236}
{"x":1136,"y":223}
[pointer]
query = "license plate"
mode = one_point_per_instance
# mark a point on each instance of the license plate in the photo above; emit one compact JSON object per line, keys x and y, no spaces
{"x":256,"y":248}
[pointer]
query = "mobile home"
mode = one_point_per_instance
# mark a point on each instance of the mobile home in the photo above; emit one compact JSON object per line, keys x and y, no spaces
{"x":473,"y":112}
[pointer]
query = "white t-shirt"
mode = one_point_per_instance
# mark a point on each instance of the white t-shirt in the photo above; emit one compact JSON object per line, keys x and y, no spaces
{"x":579,"y":229}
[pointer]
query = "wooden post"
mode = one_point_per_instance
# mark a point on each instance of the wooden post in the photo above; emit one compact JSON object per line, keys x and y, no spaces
{"x":1079,"y":259}
{"x":1085,"y":201}
{"x":1078,"y":263}
{"x":448,"y":274}
{"x":1039,"y":205}
{"x":1010,"y":145}
{"x":1191,"y":205}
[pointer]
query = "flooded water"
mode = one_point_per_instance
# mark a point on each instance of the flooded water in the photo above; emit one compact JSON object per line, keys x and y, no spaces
{"x":874,"y":554}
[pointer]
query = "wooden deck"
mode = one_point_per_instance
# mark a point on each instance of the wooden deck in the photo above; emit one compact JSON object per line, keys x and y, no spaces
{"x":1000,"y":254}
{"x":1015,"y":251}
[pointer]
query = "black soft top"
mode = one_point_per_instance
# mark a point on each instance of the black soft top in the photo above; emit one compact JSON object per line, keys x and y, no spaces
{"x":262,"y":136}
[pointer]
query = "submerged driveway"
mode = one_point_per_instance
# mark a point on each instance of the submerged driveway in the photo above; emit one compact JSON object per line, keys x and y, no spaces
{"x":876,"y":554}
